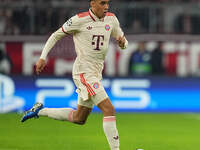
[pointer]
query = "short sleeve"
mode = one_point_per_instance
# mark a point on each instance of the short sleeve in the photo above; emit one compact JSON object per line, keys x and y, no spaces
{"x":116,"y":31}
{"x":71,"y":25}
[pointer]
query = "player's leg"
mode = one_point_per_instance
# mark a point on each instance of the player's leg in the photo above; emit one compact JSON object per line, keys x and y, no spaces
{"x":78,"y":116}
{"x":55,"y":113}
{"x":109,"y":123}
{"x":63,"y":114}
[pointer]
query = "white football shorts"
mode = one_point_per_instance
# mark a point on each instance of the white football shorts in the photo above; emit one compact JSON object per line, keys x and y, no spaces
{"x":90,"y":90}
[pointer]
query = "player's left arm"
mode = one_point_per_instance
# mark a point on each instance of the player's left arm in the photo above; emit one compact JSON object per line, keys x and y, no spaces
{"x":118,"y":34}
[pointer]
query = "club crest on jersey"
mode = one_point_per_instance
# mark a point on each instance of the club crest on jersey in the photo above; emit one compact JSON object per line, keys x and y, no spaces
{"x":107,"y":27}
{"x":89,"y":28}
{"x":96,"y":85}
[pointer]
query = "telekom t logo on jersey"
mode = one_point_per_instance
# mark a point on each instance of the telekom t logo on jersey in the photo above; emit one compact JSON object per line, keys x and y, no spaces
{"x":97,"y":41}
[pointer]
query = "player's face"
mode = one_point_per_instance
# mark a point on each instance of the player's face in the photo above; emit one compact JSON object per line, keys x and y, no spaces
{"x":100,"y":7}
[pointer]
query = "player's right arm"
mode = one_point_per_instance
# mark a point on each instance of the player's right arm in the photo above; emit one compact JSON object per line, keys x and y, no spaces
{"x":69,"y":27}
{"x":56,"y":36}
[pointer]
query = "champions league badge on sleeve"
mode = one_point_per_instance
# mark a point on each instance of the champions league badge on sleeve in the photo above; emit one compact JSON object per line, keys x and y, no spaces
{"x":69,"y":22}
{"x":107,"y":27}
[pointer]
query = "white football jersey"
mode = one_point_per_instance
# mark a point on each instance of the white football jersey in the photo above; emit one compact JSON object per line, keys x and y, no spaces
{"x":91,"y":37}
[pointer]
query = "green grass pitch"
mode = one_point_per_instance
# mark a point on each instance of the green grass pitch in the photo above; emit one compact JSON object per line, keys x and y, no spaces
{"x":148,"y":131}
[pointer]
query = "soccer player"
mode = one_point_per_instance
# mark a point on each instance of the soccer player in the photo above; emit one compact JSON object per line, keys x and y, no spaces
{"x":91,"y":32}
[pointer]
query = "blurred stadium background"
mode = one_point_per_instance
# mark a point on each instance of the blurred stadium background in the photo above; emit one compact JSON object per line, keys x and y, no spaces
{"x":149,"y":83}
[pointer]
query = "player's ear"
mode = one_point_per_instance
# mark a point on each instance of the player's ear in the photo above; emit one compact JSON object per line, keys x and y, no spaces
{"x":92,"y":3}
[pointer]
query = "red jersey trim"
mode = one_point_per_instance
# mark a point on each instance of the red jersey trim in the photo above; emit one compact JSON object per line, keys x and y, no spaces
{"x":83,"y":14}
{"x":64,"y":30}
{"x":110,"y":14}
{"x":91,"y":16}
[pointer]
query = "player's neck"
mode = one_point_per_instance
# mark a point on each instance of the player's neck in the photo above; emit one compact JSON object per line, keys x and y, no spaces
{"x":93,"y":11}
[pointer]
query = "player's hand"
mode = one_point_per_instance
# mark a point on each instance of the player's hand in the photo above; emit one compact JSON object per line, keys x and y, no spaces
{"x":121,"y":41}
{"x":40,"y":65}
